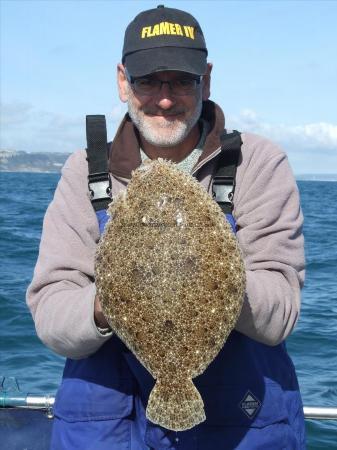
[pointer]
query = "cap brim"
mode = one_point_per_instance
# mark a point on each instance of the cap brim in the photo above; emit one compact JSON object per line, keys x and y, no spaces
{"x":159,"y":59}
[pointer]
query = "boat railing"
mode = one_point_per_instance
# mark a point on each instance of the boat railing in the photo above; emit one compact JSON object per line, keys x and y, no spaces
{"x":320,"y":413}
{"x":46,"y":402}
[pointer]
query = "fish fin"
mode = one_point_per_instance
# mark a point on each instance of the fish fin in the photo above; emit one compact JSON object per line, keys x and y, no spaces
{"x":175,"y":405}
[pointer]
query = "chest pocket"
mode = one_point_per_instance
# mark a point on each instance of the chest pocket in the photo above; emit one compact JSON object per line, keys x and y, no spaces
{"x":79,"y":400}
{"x":92,"y":417}
{"x":99,"y":387}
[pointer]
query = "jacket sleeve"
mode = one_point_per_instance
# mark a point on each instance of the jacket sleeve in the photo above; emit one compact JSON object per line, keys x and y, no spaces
{"x":62,"y":292}
{"x":269,"y":219}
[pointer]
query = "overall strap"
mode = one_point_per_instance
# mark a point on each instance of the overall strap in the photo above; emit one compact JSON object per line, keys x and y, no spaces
{"x":97,"y":156}
{"x":225,"y":172}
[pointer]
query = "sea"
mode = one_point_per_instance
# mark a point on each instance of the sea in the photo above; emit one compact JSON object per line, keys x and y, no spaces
{"x":25,"y":361}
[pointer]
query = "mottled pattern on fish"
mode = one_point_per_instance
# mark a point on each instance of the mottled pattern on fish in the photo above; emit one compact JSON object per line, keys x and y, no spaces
{"x":171,"y":280}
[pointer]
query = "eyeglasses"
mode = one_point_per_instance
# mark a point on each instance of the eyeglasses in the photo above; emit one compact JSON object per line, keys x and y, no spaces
{"x":152,"y":86}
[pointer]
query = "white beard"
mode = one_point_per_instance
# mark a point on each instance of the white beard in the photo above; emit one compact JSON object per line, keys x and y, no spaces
{"x":166,"y":133}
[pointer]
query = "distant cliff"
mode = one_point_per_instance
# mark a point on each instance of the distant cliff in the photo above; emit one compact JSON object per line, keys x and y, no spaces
{"x":20,"y":161}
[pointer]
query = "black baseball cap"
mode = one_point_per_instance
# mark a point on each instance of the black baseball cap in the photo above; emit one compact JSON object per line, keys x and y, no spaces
{"x":164,"y":39}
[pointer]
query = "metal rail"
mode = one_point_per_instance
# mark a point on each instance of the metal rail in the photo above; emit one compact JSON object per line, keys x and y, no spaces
{"x":43,"y":402}
{"x":26,"y":401}
{"x":47,"y":402}
{"x":320,"y":413}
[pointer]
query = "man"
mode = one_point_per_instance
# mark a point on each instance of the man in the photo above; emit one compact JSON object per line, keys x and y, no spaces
{"x":250,"y":390}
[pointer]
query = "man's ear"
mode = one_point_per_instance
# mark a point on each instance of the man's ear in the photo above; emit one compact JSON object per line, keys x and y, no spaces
{"x":206,"y":82}
{"x":122,"y":82}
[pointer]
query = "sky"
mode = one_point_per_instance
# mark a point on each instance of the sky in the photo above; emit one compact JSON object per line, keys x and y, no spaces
{"x":274,"y":71}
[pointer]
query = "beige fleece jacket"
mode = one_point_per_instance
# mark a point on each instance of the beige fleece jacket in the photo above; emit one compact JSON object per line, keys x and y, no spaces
{"x":267,"y":210}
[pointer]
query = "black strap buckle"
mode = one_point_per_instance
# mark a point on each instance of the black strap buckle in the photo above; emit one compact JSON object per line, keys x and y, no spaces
{"x":99,"y":186}
{"x":223,"y":190}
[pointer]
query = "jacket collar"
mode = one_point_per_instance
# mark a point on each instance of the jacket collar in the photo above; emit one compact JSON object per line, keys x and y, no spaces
{"x":125,"y":153}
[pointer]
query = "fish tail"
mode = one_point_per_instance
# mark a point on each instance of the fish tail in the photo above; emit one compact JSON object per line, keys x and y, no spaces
{"x":175,"y":405}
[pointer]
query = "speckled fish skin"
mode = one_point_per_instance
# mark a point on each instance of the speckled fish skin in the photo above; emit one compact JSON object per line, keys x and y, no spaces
{"x":171,"y":281}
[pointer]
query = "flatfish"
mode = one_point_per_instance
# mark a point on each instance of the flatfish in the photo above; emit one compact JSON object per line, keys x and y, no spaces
{"x":171,"y":281}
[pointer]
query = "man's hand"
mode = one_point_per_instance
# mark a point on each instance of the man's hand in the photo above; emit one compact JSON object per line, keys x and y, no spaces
{"x":99,"y":317}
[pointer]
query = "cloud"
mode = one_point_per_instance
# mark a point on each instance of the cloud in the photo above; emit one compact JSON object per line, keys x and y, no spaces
{"x":24,"y":127}
{"x":310,"y":147}
{"x":320,"y":135}
{"x":15,"y":113}
{"x":315,"y":135}
{"x":61,"y":50}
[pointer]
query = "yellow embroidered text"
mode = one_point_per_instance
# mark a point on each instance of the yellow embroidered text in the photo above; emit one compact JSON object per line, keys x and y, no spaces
{"x":167,"y":28}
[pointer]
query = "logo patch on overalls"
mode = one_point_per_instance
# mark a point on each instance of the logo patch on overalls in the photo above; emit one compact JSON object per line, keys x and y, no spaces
{"x":250,"y":404}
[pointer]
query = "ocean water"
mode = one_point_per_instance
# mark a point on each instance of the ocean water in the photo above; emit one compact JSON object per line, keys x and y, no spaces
{"x":312,"y":346}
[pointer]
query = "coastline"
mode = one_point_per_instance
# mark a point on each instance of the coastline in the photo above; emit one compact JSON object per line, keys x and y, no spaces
{"x":49,"y":162}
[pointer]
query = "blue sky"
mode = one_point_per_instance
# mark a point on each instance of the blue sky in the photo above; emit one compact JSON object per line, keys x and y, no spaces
{"x":275,"y":71}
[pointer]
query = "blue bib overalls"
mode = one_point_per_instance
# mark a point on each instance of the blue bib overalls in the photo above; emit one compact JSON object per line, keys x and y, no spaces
{"x":250,"y":392}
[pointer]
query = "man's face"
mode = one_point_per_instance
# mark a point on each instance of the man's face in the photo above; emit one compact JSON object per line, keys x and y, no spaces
{"x":163,"y":118}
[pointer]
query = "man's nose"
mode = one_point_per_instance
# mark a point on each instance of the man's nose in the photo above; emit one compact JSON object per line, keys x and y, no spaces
{"x":165,"y":99}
